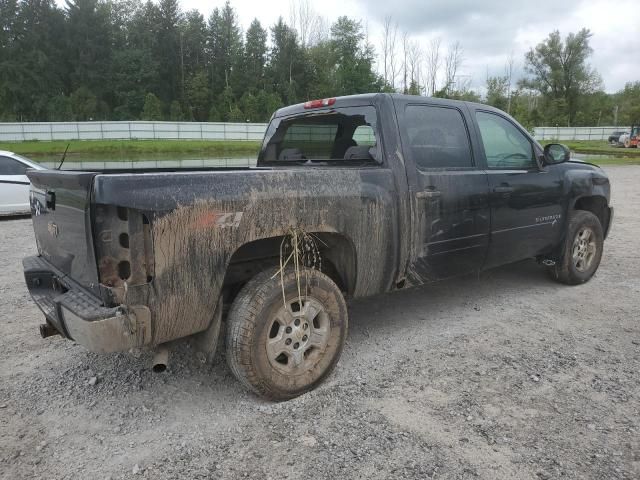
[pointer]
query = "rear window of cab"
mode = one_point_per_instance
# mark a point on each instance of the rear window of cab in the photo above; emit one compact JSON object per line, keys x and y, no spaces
{"x":340,"y":134}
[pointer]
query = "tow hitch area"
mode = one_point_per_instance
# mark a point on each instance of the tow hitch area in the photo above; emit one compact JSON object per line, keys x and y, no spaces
{"x":48,"y":330}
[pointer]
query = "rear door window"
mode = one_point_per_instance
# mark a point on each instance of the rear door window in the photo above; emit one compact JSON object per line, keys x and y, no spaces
{"x":437,"y":137}
{"x":338,"y":135}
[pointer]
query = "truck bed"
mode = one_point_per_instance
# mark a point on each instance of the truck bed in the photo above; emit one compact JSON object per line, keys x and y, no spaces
{"x":165,"y":238}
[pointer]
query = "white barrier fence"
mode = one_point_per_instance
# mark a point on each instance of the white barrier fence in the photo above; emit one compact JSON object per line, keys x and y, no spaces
{"x":18,"y":132}
{"x":576,"y":133}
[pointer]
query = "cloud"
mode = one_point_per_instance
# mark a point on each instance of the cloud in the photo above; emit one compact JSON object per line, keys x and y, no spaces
{"x":491,"y":30}
{"x":481,"y":26}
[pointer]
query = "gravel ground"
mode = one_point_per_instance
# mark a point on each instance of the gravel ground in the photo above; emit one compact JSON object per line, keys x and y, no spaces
{"x":504,"y":376}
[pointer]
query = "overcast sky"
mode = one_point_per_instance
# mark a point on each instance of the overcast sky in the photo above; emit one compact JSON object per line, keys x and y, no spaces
{"x":489,"y":30}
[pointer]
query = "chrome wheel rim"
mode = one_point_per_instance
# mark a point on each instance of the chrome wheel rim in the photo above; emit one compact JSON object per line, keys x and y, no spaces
{"x":584,"y":249}
{"x":298,"y":336}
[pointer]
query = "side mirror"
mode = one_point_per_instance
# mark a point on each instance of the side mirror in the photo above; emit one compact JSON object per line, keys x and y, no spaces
{"x":556,"y":153}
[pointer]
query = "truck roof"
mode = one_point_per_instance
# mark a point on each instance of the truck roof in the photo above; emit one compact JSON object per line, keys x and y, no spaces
{"x":370,"y":99}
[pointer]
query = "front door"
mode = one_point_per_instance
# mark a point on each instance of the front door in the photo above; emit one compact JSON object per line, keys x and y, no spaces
{"x":449,"y":192}
{"x":526,"y":199}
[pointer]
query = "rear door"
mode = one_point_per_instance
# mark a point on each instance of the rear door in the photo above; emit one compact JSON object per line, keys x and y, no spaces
{"x":14,"y":187}
{"x":449,"y":192}
{"x":526,"y":199}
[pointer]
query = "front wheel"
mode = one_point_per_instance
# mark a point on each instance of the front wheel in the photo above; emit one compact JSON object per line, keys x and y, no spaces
{"x":582,"y":250}
{"x":285,"y":335}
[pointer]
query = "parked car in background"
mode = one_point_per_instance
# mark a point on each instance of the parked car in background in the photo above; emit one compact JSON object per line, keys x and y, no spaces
{"x":14,"y":184}
{"x":614,"y":138}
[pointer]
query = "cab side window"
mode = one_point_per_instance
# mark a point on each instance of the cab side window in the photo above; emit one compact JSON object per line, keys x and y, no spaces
{"x":437,"y":137}
{"x":9,"y":166}
{"x":504,"y":145}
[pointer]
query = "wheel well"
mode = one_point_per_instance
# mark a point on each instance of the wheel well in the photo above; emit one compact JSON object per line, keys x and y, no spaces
{"x":338,"y":261}
{"x":596,"y":205}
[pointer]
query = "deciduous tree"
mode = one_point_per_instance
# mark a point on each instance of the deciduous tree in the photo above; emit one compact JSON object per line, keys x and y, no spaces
{"x":560,"y":71}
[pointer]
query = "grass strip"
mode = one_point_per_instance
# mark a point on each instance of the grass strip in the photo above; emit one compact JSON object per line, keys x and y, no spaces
{"x":126,"y":149}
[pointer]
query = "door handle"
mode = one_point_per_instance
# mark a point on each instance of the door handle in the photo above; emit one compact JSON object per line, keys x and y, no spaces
{"x":428,"y":194}
{"x":503,"y":189}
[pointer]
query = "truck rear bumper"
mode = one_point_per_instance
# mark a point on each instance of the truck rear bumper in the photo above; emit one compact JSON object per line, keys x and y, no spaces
{"x":80,"y":315}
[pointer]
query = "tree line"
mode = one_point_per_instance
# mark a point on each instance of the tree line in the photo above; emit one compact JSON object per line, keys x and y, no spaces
{"x":129,"y":59}
{"x":135,"y":59}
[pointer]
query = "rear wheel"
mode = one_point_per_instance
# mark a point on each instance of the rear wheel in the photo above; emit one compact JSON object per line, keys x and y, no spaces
{"x":582,"y":250}
{"x":282,"y":347}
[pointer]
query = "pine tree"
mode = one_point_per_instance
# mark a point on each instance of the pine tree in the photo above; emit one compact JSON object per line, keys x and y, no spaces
{"x":193,"y":38}
{"x":35,"y":63}
{"x":88,"y":46}
{"x":353,"y":58}
{"x":168,"y":50}
{"x":198,"y":96}
{"x":288,"y":69}
{"x":152,"y":108}
{"x":224,"y":47}
{"x":255,"y":55}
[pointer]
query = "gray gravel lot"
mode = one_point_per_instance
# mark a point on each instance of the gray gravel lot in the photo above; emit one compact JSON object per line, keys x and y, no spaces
{"x":509,"y":375}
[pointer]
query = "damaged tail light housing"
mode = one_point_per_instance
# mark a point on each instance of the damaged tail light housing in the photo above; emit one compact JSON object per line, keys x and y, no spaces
{"x":124,"y":250}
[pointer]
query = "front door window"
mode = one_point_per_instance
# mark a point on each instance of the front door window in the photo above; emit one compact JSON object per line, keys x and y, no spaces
{"x":504,"y":145}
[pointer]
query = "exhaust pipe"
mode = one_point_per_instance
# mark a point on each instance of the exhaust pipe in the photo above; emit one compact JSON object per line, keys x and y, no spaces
{"x":48,"y":330}
{"x":160,"y":359}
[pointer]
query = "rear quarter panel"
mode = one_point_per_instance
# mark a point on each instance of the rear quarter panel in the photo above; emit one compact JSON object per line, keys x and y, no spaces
{"x":198,"y":220}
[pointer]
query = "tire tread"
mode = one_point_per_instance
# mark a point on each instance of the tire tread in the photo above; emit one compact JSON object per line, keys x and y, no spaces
{"x":242,"y":321}
{"x":562,"y":271}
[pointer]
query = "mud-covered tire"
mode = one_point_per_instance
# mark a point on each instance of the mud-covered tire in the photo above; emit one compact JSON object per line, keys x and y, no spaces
{"x":259,"y":324}
{"x":569,"y":270}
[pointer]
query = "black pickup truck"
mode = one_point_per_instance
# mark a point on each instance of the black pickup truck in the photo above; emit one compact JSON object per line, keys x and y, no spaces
{"x":351,"y":196}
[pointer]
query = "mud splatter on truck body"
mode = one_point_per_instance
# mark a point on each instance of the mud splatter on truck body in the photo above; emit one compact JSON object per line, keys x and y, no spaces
{"x":197,"y":225}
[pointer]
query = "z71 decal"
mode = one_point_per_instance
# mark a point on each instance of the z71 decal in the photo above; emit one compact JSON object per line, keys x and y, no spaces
{"x":218,"y":219}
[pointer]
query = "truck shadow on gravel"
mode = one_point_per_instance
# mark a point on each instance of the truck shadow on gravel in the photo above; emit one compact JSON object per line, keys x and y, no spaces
{"x":429,"y":304}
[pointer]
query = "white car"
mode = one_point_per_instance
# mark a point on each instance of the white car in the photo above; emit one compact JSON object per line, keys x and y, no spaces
{"x":14,"y":184}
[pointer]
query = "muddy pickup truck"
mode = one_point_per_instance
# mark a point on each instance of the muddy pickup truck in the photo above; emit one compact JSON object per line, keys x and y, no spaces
{"x":351,"y":197}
